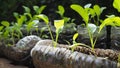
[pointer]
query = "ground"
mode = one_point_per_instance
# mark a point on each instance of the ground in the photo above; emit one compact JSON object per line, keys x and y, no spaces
{"x":5,"y":63}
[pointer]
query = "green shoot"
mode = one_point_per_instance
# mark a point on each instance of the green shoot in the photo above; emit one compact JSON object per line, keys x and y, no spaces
{"x":59,"y":27}
{"x":75,"y":44}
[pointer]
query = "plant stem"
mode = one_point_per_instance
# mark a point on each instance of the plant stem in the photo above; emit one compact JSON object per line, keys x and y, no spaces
{"x":57,"y":35}
{"x":91,"y":38}
{"x":50,"y":32}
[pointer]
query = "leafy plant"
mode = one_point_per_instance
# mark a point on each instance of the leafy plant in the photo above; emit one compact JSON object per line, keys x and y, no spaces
{"x":85,"y":13}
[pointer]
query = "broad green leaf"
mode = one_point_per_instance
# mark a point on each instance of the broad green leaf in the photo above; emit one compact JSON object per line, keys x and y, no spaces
{"x":116,"y":5}
{"x":27,"y":10}
{"x":92,"y":27}
{"x":79,"y":9}
{"x":113,"y":21}
{"x":61,"y":10}
{"x":75,"y":36}
{"x":1,"y":28}
{"x":43,"y":17}
{"x":97,"y":10}
{"x":5,"y":23}
{"x":58,"y":24}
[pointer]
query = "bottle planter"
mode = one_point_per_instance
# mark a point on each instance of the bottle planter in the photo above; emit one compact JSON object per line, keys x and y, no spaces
{"x":115,"y":37}
{"x":44,"y":55}
{"x":84,"y":37}
{"x":21,"y":50}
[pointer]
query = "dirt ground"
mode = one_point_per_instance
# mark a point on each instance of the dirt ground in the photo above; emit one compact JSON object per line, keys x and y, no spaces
{"x":5,"y":63}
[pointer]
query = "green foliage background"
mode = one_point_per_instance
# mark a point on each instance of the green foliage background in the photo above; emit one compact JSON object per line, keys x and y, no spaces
{"x":7,"y":7}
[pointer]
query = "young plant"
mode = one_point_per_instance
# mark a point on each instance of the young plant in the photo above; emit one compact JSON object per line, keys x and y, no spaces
{"x":91,"y":28}
{"x":59,"y":24}
{"x":75,"y":44}
{"x":46,"y":20}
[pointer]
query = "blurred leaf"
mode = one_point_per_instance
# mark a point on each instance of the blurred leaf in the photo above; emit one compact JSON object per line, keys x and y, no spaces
{"x":79,"y":9}
{"x":116,"y":5}
{"x":97,"y":10}
{"x":92,"y":27}
{"x":1,"y":28}
{"x":27,"y":10}
{"x":5,"y":23}
{"x":43,"y":17}
{"x":39,"y":10}
{"x":29,"y":26}
{"x":61,"y":10}
{"x":87,"y":5}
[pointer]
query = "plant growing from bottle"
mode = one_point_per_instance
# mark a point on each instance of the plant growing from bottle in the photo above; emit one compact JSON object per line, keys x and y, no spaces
{"x":85,"y":13}
{"x":75,"y":44}
{"x":58,"y":25}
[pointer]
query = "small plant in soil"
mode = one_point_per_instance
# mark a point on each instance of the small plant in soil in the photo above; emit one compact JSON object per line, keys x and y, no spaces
{"x":87,"y":13}
{"x":75,"y":44}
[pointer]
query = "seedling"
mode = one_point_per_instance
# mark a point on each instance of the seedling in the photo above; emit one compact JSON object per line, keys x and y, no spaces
{"x":59,"y":27}
{"x":84,"y":13}
{"x":75,"y":44}
{"x":46,"y":20}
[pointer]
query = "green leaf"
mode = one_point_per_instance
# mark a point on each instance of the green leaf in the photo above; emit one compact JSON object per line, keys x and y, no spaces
{"x":30,"y":25}
{"x":1,"y":28}
{"x":5,"y":23}
{"x":43,"y":17}
{"x":39,"y":10}
{"x":21,"y":20}
{"x":92,"y":12}
{"x":6,"y":34}
{"x":16,"y":15}
{"x":27,"y":10}
{"x":79,"y":9}
{"x":75,"y":36}
{"x":112,"y":21}
{"x":116,"y":5}
{"x":58,"y":24}
{"x":92,"y":27}
{"x":97,"y":10}
{"x":61,"y":10}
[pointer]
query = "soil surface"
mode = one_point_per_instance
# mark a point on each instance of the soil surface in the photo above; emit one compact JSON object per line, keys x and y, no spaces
{"x":5,"y":63}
